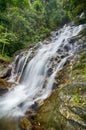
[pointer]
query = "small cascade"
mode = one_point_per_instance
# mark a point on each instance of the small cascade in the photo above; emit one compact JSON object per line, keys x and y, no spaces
{"x":31,"y":69}
{"x":18,"y":66}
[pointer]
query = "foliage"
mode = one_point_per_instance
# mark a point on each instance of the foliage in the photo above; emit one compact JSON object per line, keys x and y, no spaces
{"x":74,"y":8}
{"x":76,"y":98}
{"x":23,"y":22}
{"x":6,"y":58}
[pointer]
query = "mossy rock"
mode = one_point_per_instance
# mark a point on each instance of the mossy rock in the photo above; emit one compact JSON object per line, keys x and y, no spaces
{"x":4,"y":84}
{"x":25,"y":124}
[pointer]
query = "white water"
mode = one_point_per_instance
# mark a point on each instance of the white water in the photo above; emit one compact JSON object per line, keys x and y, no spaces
{"x":30,"y":90}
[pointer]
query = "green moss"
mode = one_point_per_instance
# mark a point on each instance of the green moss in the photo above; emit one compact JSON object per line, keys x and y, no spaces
{"x":6,"y":58}
{"x":76,"y":98}
{"x":80,"y":66}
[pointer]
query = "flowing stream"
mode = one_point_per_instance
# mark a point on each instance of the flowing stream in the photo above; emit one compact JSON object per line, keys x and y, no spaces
{"x":30,"y":74}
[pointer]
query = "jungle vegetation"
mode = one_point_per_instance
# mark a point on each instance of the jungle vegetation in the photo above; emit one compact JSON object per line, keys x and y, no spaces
{"x":24,"y":22}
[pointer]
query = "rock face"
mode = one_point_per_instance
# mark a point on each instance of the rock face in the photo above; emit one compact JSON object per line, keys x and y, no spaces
{"x":25,"y":124}
{"x":5,"y":72}
{"x":65,"y":109}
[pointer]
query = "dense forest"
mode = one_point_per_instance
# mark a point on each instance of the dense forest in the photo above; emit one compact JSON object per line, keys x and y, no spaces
{"x":24,"y":22}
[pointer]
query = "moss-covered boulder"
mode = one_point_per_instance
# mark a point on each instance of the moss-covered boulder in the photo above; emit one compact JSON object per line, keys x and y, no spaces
{"x":25,"y":124}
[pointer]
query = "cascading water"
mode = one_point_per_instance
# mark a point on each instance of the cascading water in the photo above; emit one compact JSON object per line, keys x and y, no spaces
{"x":33,"y":87}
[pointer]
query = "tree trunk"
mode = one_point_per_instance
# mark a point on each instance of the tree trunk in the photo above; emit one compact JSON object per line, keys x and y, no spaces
{"x":3,"y":49}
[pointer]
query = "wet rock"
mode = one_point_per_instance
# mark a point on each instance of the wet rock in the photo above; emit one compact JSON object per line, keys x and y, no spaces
{"x":66,"y":63}
{"x":56,"y":33}
{"x":56,"y":59}
{"x":80,"y":41}
{"x":3,"y":91}
{"x":7,"y":74}
{"x":34,"y":106}
{"x":81,"y":47}
{"x":51,"y":59}
{"x":84,"y":39}
{"x":32,"y":111}
{"x":31,"y":46}
{"x":55,"y":85}
{"x":63,"y":40}
{"x":46,"y":42}
{"x":49,"y":72}
{"x":37,"y":127}
{"x":21,"y":104}
{"x":4,"y":84}
{"x":67,"y":48}
{"x":79,"y":111}
{"x":60,"y":51}
{"x":71,"y":41}
{"x":62,"y":56}
{"x":25,"y":124}
{"x":53,"y":33}
{"x":82,"y":15}
{"x":3,"y":69}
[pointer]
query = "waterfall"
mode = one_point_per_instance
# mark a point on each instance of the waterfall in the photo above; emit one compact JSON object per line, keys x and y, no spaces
{"x":33,"y":72}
